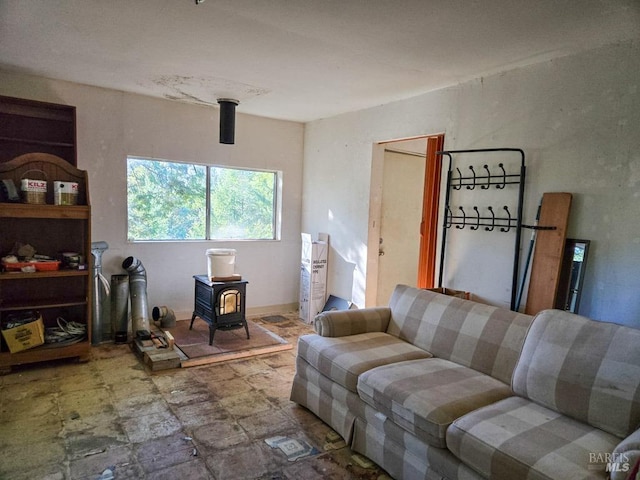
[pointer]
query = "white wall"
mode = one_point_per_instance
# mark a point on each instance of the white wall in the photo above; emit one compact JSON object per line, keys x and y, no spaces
{"x":578,"y":120}
{"x":112,"y":125}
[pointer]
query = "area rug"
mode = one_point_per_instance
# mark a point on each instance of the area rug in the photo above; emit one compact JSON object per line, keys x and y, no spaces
{"x":227,"y":345}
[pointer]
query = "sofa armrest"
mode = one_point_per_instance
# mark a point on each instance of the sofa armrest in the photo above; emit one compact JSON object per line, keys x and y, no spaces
{"x":339,"y":323}
{"x":627,"y":456}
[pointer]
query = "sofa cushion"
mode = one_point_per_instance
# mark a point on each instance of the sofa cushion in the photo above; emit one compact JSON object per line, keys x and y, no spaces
{"x":586,"y":369}
{"x":517,"y":438}
{"x":485,"y":338}
{"x":343,"y":359}
{"x":425,"y":396}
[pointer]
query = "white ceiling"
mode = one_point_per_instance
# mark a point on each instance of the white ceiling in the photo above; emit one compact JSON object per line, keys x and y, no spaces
{"x":298,"y":60}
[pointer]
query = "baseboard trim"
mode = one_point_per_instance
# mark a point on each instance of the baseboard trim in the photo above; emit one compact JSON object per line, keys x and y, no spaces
{"x":271,"y":309}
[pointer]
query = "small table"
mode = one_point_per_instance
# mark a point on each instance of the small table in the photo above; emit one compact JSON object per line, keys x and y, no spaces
{"x":220,"y":304}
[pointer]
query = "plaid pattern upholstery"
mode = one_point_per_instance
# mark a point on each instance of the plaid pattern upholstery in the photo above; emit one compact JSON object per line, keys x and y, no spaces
{"x":627,"y":453}
{"x":516,"y":438}
{"x":338,"y":323}
{"x":401,"y":454}
{"x":485,"y":338}
{"x":425,"y":396}
{"x":585,"y":369}
{"x":343,"y":359}
{"x":333,"y":404}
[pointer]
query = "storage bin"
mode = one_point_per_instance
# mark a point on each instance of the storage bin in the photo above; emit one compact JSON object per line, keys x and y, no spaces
{"x":221,"y":263}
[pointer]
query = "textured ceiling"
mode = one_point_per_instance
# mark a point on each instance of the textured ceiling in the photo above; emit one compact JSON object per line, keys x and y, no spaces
{"x":298,"y":60}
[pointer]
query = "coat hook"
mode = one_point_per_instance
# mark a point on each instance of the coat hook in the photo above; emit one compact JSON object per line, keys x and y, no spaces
{"x":484,"y":187}
{"x":458,"y":187}
{"x":504,"y":177}
{"x":464,"y":219}
{"x":477,"y":225}
{"x":509,"y":221}
{"x":448,"y":220}
{"x":472,"y":186}
{"x":493,"y":221}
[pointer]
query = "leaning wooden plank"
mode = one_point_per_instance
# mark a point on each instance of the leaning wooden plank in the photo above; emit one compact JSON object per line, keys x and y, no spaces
{"x":548,"y":254}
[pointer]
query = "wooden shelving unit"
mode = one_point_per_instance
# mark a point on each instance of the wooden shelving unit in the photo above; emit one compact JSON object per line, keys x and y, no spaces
{"x":28,"y":126}
{"x":50,"y":229}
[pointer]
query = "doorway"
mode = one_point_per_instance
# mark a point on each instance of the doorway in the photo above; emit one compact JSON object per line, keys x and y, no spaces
{"x":400,"y":213}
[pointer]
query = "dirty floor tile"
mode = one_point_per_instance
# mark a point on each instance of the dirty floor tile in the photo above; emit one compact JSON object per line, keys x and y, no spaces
{"x":111,"y":416}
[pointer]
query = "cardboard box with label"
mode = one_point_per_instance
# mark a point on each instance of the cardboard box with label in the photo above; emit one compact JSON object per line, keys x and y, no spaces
{"x":313,"y":276}
{"x":24,"y":336}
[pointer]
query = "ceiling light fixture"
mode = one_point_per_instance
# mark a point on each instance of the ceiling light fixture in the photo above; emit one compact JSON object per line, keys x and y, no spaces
{"x":227,"y":120}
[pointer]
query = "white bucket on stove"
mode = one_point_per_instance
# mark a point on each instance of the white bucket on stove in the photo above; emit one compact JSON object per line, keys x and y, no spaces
{"x":221,"y":262}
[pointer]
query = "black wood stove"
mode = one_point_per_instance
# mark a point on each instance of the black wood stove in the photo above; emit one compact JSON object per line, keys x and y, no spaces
{"x":220,"y":304}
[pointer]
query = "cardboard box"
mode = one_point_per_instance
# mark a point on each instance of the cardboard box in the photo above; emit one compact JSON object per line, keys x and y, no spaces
{"x":313,"y":276}
{"x":25,"y":336}
{"x":451,"y":292}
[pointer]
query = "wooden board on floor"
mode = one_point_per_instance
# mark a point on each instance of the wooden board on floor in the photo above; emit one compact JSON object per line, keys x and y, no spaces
{"x":162,"y":359}
{"x":155,"y":358}
{"x":548,"y":253}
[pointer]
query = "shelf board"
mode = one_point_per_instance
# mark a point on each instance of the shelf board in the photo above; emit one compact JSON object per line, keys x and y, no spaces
{"x":45,"y":274}
{"x":29,"y":210}
{"x":43,"y":303}
{"x":33,"y":141}
{"x":43,"y":354}
{"x":30,"y":109}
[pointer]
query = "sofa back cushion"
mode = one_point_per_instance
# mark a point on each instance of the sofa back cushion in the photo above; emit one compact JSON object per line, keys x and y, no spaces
{"x":585,"y":369}
{"x":485,"y":338}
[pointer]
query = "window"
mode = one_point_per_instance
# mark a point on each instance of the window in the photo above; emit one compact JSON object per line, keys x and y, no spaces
{"x":182,"y":201}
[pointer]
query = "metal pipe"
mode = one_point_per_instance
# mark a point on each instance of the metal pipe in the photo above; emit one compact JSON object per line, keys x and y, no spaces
{"x":120,"y":307}
{"x":138,"y":293}
{"x":165,"y":316}
{"x":100,"y":330}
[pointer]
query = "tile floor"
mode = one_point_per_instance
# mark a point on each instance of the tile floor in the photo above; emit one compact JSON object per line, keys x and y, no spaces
{"x":109,"y":415}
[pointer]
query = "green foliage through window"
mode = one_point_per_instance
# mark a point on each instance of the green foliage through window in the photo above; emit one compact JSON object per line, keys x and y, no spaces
{"x":168,"y":201}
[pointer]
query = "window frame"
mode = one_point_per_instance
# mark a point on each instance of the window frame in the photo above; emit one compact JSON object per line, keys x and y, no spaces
{"x":277,"y":203}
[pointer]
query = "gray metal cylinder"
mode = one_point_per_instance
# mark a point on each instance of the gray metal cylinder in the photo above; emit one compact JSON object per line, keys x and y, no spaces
{"x":101,"y":327}
{"x":165,"y":316}
{"x":120,"y":307}
{"x":138,"y":293}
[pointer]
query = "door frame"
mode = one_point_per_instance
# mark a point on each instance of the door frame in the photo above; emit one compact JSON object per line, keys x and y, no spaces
{"x":430,"y":212}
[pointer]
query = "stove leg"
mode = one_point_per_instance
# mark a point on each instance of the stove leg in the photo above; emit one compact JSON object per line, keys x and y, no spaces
{"x":246,"y":327}
{"x":212,"y":331}
{"x":193,"y":317}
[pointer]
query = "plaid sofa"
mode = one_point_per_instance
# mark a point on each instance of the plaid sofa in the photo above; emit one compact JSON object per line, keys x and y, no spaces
{"x":437,"y":387}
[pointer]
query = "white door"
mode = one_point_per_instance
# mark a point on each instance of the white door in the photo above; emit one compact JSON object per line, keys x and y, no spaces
{"x":402,"y":195}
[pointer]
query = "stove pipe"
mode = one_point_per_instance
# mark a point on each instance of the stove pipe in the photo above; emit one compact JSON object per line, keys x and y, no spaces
{"x":138,"y":292}
{"x":101,"y":327}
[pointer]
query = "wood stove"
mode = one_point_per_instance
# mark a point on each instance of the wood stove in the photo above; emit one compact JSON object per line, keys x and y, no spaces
{"x":220,"y":304}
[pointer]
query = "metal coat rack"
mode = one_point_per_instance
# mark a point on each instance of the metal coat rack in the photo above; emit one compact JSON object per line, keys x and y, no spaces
{"x":493,"y":218}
